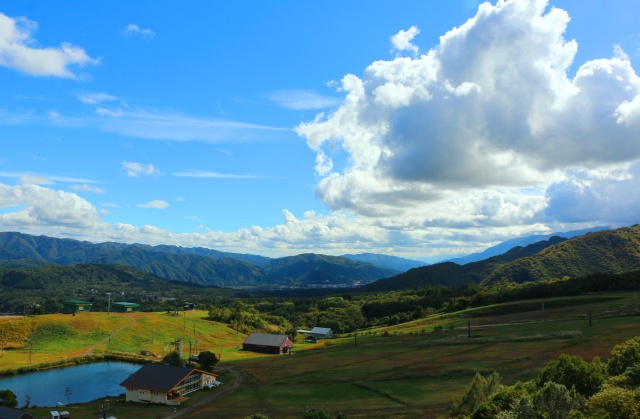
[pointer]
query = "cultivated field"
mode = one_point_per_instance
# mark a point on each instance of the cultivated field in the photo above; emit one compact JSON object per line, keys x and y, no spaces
{"x":405,"y":371}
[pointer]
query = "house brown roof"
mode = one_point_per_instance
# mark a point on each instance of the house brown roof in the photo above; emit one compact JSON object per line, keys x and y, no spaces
{"x":158,"y":377}
{"x":11,"y":413}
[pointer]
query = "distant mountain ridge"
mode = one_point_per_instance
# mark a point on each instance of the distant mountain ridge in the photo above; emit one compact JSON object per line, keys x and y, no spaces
{"x":505,"y":246}
{"x":193,"y":265}
{"x":452,"y":274}
{"x":610,"y":251}
{"x":386,"y":261}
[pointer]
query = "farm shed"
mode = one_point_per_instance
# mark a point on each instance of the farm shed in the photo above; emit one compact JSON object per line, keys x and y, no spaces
{"x":74,"y":306}
{"x":123,"y":307}
{"x":320,"y":332}
{"x":267,"y":343}
{"x":165,"y":384}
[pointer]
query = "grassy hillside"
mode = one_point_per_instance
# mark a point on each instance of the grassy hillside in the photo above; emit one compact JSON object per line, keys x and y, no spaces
{"x":57,"y":337}
{"x":452,"y":274}
{"x":413,"y":370}
{"x":603,"y":251}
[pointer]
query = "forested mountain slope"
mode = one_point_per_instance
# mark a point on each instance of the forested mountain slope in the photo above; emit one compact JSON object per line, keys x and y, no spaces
{"x":193,"y":265}
{"x":452,"y":274}
{"x":385,"y":261}
{"x":614,"y":251}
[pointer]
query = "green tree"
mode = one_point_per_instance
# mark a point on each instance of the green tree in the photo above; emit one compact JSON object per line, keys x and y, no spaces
{"x":257,"y":416}
{"x":8,"y":398}
{"x":317,"y":414}
{"x":569,"y":370}
{"x":207,"y":360}
{"x":613,"y":403}
{"x":623,"y":356}
{"x":173,"y":358}
{"x":556,"y":401}
{"x":478,"y":392}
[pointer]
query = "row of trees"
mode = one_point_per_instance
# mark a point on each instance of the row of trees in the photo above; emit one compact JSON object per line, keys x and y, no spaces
{"x":568,"y":387}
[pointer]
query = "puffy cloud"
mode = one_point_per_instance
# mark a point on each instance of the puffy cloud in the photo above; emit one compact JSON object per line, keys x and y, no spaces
{"x":134,"y":169}
{"x":32,"y":208}
{"x":611,"y":197}
{"x":39,"y":210}
{"x":133,"y":29}
{"x":402,"y":40}
{"x":18,"y":51}
{"x":474,"y":131}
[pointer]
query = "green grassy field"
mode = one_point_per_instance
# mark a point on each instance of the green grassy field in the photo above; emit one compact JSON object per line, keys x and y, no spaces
{"x":415,"y":372}
{"x":404,"y":371}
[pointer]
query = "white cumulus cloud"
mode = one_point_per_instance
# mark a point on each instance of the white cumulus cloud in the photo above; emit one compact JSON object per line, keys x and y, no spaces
{"x":402,"y":40}
{"x":19,"y":51}
{"x":475,"y":131}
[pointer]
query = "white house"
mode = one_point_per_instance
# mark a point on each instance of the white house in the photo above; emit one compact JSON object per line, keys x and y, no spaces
{"x":165,"y":384}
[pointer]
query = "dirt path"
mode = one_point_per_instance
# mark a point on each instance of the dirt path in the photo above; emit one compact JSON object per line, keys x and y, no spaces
{"x":91,"y":348}
{"x":215,"y":394}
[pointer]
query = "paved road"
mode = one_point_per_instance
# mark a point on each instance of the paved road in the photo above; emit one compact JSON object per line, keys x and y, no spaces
{"x":215,"y":394}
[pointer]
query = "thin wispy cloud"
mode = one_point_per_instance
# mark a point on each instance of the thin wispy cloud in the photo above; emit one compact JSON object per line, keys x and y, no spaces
{"x":134,"y":169}
{"x":301,"y":100}
{"x":155,"y":204}
{"x":29,"y":179}
{"x":152,"y":125}
{"x":44,"y":178}
{"x":135,"y":30}
{"x":95,"y":98}
{"x":214,"y":175}
{"x":87,"y":188}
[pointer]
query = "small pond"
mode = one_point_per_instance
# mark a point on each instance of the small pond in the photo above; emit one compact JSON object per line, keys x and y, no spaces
{"x":86,"y":382}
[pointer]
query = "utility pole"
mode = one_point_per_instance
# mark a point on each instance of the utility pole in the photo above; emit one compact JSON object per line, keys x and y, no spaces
{"x":109,"y":304}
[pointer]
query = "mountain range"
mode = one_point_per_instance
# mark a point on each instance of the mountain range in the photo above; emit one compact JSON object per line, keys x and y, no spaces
{"x":613,"y":251}
{"x":193,"y":265}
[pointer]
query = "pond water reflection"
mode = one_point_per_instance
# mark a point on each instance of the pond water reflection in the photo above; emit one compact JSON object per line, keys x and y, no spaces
{"x":86,"y":382}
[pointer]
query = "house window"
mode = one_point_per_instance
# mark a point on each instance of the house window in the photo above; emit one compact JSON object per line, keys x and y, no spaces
{"x":190,"y":384}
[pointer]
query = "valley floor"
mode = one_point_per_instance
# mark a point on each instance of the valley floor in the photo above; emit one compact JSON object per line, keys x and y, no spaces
{"x":405,"y":371}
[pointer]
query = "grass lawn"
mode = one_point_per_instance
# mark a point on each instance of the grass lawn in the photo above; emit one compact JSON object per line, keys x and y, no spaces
{"x":408,"y":372}
{"x":414,"y":374}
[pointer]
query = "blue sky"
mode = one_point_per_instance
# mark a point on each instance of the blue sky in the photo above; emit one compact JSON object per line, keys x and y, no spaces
{"x":421,"y":129}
